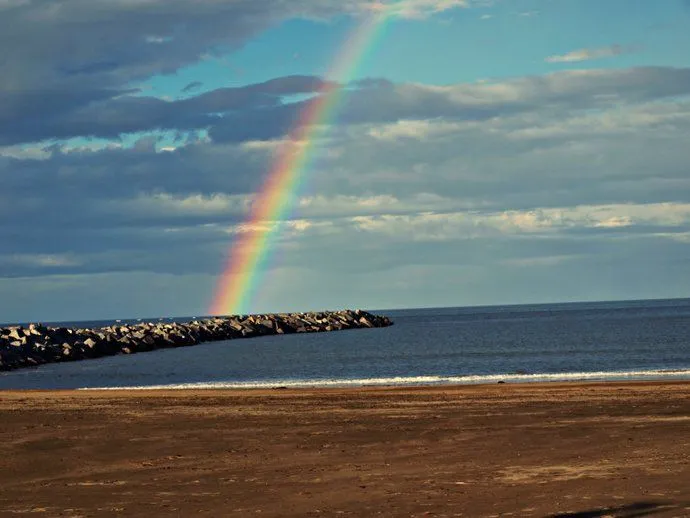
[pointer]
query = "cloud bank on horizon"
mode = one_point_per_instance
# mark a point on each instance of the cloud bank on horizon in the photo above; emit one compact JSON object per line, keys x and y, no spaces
{"x":481,"y":156}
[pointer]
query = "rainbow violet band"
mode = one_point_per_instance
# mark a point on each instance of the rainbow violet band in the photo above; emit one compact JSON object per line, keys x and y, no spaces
{"x":248,"y":254}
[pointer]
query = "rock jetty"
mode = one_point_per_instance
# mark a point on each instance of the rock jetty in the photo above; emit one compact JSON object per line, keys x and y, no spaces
{"x":37,"y":344}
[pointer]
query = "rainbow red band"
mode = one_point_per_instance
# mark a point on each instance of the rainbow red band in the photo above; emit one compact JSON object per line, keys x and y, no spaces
{"x":238,"y":282}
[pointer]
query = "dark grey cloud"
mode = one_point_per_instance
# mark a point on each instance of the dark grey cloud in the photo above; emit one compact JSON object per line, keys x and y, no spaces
{"x":31,"y":117}
{"x":60,"y":56}
{"x":121,"y":41}
{"x":571,"y":90}
{"x":194,"y":85}
{"x":259,"y":124}
{"x":259,"y":111}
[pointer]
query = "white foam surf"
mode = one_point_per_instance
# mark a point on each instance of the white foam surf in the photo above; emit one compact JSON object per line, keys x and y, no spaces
{"x":418,"y":380}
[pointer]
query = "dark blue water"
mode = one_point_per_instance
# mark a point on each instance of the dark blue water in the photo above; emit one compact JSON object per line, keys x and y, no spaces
{"x":614,"y":340}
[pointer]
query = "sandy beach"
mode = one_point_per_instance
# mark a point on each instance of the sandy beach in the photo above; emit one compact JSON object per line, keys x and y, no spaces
{"x":576,"y":450}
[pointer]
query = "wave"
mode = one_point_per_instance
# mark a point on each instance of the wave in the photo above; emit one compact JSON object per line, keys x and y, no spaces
{"x":417,"y":380}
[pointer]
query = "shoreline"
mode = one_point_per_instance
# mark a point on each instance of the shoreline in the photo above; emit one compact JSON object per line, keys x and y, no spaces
{"x":402,"y":382}
{"x":351,"y":389}
{"x":532,"y":449}
{"x":422,"y":381}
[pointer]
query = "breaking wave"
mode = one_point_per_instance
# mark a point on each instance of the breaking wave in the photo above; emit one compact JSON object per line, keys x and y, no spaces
{"x":419,"y":380}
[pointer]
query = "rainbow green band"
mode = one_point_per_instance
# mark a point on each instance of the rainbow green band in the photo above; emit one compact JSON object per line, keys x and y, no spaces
{"x":249,"y":252}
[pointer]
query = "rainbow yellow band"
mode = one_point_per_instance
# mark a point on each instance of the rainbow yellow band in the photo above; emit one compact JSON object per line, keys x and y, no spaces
{"x":247,"y":256}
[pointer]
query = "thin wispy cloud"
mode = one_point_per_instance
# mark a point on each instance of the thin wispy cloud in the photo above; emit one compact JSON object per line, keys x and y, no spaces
{"x":414,"y":9}
{"x":579,"y":55}
{"x":190,"y":87}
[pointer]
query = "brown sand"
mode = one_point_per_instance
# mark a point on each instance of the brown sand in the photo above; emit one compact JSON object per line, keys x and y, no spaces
{"x":578,"y":450}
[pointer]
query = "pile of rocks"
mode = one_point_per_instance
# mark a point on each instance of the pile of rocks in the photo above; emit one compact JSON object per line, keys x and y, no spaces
{"x":38,"y":344}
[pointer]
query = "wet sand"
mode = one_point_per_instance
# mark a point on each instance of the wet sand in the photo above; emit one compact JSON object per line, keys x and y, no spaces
{"x":577,"y":450}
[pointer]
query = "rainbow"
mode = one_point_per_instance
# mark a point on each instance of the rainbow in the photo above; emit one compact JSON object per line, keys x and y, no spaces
{"x":249,"y":252}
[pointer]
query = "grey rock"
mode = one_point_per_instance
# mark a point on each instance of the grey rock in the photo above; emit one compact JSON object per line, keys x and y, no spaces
{"x":38,"y":344}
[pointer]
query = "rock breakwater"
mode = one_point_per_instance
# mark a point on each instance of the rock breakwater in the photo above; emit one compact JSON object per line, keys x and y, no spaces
{"x":37,"y":344}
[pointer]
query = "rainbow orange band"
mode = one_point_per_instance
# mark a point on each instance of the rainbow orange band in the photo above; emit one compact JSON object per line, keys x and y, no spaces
{"x":238,"y":282}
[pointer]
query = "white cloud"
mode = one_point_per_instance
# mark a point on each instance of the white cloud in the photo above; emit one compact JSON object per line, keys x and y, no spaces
{"x":617,"y":120}
{"x":26,"y":152}
{"x":588,"y":54}
{"x":430,"y":226}
{"x":176,"y":206}
{"x":413,"y":9}
{"x":415,"y":219}
{"x":414,"y":129}
{"x":541,"y":261}
{"x":41,"y":260}
{"x":308,"y":209}
{"x":348,"y":202}
{"x":615,"y":222}
{"x":157,"y":39}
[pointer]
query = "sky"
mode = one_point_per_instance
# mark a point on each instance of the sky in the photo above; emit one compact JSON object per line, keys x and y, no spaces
{"x":486,"y":152}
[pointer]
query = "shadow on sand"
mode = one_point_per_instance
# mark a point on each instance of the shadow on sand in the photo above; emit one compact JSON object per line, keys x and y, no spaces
{"x":624,"y":511}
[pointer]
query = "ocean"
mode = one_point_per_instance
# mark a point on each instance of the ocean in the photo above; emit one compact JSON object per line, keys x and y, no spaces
{"x":544,"y":342}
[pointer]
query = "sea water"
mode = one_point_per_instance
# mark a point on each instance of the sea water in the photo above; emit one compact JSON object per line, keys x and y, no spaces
{"x":546,"y":342}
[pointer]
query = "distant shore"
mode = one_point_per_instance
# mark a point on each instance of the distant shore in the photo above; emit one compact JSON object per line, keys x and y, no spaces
{"x":36,"y":344}
{"x":549,"y":449}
